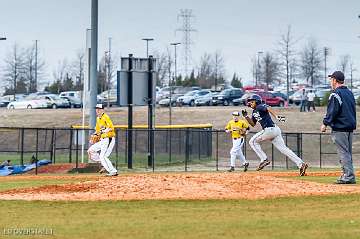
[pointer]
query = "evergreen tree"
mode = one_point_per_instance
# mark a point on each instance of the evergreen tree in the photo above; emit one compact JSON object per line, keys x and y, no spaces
{"x":236,"y":82}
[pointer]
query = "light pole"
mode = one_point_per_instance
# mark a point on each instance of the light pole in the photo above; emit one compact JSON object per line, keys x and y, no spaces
{"x":258,"y":68}
{"x":326,"y":53}
{"x":107,"y":78}
{"x":147,"y":45}
{"x":175,"y":77}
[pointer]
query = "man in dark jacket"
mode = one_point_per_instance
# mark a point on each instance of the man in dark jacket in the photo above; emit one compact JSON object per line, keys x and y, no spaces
{"x":341,"y":117}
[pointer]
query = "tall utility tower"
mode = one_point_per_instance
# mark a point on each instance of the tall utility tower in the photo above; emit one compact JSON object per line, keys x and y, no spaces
{"x":186,"y":15}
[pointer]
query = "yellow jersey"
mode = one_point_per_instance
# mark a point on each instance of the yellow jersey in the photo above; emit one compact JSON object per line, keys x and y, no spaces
{"x":104,"y":126}
{"x":235,"y":128}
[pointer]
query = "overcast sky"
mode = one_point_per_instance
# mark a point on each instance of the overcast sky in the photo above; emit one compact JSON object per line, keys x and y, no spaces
{"x":237,"y":28}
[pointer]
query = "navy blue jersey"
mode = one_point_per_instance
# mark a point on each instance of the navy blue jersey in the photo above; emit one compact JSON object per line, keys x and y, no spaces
{"x":261,"y":114}
{"x":341,"y":111}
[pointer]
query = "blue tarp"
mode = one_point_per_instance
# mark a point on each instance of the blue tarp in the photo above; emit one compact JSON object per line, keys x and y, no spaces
{"x":18,"y":169}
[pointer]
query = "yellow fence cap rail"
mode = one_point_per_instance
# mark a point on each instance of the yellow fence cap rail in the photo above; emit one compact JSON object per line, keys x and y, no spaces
{"x":178,"y":126}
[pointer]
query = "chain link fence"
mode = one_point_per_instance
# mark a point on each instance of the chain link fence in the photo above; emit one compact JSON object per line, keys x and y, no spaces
{"x":183,"y":149}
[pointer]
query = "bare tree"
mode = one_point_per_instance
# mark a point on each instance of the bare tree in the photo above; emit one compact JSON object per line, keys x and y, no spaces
{"x":352,"y":69}
{"x":205,"y":71}
{"x":218,"y":68}
{"x":13,"y":69}
{"x":293,"y":70}
{"x":78,"y":69}
{"x":62,"y":75}
{"x":32,"y":67}
{"x":344,"y":63}
{"x":270,"y":69}
{"x":287,"y":56}
{"x":311,"y":62}
{"x":162,"y":66}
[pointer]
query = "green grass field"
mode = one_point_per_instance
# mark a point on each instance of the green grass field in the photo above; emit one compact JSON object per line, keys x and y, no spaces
{"x":300,"y":217}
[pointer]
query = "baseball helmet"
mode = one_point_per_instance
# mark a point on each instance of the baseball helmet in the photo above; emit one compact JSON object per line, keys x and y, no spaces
{"x":255,"y":98}
{"x":236,"y":113}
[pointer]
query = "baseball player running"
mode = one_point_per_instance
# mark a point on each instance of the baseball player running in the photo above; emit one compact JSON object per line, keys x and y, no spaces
{"x":238,"y":129}
{"x":271,"y":132}
{"x":105,"y":129}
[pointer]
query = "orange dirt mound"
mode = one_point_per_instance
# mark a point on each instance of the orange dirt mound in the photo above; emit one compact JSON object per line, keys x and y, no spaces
{"x":180,"y":186}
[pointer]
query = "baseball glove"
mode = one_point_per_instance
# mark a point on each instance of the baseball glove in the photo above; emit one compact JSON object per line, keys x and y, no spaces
{"x":281,"y":118}
{"x":94,"y":138}
{"x":244,"y":113}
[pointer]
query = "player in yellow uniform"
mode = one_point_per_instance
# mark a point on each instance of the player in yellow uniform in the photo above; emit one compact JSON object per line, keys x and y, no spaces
{"x":237,"y":128}
{"x":101,"y":150}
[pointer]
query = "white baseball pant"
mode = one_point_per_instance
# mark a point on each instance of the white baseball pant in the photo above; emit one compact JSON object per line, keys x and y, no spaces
{"x":105,"y":146}
{"x":236,"y":150}
{"x":273,"y":134}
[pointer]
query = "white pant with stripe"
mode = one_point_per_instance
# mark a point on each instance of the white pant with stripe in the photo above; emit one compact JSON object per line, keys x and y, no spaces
{"x":105,"y":146}
{"x":273,"y":134}
{"x":236,"y":150}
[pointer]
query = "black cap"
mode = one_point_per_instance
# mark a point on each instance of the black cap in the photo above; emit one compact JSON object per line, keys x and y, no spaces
{"x":338,"y":75}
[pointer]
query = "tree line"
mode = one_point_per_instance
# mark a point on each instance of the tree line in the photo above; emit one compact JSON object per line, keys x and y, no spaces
{"x":287,"y":65}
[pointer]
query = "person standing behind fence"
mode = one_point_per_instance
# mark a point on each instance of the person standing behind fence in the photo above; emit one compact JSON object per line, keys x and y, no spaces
{"x":105,"y":129}
{"x":341,"y":117}
{"x":310,"y":100}
{"x":238,"y":129}
{"x":303,"y":101}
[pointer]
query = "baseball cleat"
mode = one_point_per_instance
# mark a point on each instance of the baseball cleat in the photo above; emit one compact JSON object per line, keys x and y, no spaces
{"x":340,"y":181}
{"x":263,"y":164}
{"x":303,"y":168}
{"x":232,"y":169}
{"x":246,"y":165}
{"x":112,"y":174}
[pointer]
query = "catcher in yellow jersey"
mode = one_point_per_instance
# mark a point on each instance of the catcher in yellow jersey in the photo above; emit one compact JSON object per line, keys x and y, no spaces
{"x":101,"y":150}
{"x":238,"y":129}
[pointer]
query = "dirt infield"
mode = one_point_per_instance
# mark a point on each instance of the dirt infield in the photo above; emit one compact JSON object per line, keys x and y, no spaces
{"x":177,"y":186}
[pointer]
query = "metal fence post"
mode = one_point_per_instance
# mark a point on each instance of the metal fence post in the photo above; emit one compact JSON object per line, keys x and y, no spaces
{"x":286,"y":158}
{"x":36,"y":151}
{"x":187,"y":147}
{"x":70,"y":145}
{"x":217,"y":150}
{"x":54,"y":144}
{"x":320,"y":151}
{"x":199,"y":148}
{"x":117,"y":148}
{"x":126,"y":145}
{"x":170,"y":140}
{"x":22,"y":147}
{"x":77,"y":149}
{"x":37,"y":143}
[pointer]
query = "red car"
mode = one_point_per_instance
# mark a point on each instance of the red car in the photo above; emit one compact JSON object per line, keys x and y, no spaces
{"x":270,"y":99}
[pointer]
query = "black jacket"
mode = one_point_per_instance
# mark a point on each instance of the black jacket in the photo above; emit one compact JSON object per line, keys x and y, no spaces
{"x":341,"y":110}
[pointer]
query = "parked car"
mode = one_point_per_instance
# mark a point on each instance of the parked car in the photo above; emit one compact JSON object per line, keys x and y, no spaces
{"x":190,"y":97}
{"x":296,"y":97}
{"x":4,"y":103}
{"x":271,"y":99}
{"x":165,"y":102}
{"x":28,"y":104}
{"x":320,"y":94}
{"x":71,"y":94}
{"x":74,"y":102}
{"x":204,"y":100}
{"x":243,"y":99}
{"x":226,"y":97}
{"x":281,"y":95}
{"x":112,"y":96}
{"x":54,"y":101}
